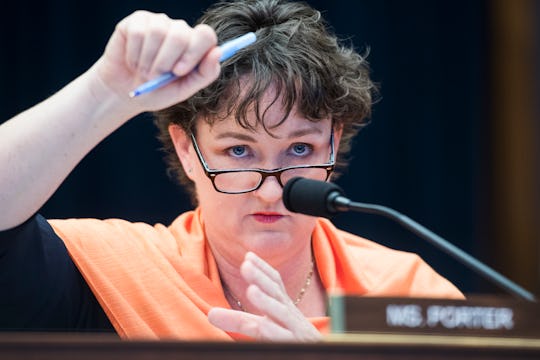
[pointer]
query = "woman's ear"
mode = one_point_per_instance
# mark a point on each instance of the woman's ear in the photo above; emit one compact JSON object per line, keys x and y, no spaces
{"x":338,"y":131}
{"x":182,"y":144}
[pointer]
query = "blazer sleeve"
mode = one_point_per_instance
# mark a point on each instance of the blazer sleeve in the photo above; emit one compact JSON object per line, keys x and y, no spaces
{"x":41,"y":288}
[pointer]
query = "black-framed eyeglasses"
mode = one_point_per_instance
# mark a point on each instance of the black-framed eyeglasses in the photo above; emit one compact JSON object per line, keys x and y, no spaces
{"x":239,"y":181}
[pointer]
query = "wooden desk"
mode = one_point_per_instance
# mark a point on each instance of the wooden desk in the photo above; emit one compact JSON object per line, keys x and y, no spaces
{"x":338,"y":347}
{"x":364,"y":328}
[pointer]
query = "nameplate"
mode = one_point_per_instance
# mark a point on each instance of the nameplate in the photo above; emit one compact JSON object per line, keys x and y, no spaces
{"x":479,"y":316}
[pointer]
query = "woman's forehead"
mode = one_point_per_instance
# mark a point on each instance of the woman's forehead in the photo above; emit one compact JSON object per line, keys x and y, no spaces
{"x":295,"y":125}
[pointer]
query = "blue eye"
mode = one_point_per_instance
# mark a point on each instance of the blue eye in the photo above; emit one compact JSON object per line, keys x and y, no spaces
{"x":301,"y":149}
{"x":238,"y":150}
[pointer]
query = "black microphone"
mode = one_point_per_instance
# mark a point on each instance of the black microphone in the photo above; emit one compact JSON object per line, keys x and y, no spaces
{"x":319,"y":198}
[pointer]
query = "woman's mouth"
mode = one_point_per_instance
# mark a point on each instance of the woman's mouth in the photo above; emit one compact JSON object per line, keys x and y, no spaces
{"x":267,"y":217}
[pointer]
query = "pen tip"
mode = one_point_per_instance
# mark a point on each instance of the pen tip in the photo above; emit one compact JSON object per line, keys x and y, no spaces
{"x":132,"y":94}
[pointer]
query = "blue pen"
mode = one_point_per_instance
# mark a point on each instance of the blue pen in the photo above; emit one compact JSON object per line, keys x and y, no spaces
{"x":228,"y":49}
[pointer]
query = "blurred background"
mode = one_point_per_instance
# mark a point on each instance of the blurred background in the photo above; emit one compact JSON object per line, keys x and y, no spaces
{"x":454,"y":139}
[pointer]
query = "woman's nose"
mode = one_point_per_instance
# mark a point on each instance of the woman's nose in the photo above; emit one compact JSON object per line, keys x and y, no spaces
{"x":270,"y":190}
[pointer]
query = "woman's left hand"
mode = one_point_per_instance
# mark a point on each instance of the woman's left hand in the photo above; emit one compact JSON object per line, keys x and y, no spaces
{"x":278,"y":319}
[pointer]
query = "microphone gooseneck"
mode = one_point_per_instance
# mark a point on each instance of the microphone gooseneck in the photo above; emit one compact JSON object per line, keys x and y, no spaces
{"x":319,"y":198}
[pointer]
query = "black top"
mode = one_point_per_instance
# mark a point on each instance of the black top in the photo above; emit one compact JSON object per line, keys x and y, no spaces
{"x":41,"y":289}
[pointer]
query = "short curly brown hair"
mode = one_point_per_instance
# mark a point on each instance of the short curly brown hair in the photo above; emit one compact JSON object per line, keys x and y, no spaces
{"x":297,"y":54}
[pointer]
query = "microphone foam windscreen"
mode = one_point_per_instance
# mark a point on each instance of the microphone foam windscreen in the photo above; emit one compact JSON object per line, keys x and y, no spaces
{"x":309,"y":197}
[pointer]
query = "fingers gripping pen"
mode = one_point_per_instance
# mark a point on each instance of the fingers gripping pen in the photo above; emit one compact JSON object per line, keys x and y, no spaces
{"x":228,"y":49}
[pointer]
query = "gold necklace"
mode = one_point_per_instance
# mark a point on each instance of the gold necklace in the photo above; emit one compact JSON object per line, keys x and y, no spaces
{"x":295,"y":302}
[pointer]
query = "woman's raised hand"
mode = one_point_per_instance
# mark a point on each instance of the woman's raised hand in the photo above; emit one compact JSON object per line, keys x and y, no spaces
{"x":66,"y":126}
{"x":278,"y":320}
{"x":145,"y":45}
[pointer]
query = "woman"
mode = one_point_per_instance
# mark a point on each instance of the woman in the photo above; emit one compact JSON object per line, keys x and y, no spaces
{"x":240,"y":264}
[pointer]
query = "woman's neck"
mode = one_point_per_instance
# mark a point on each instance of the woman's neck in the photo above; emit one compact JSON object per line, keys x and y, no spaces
{"x":298,"y":273}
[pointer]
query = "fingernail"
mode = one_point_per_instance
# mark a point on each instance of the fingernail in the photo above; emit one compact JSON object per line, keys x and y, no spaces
{"x":180,"y":68}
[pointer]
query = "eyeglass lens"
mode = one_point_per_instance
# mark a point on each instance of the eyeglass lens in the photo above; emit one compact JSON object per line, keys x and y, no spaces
{"x":249,"y":180}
